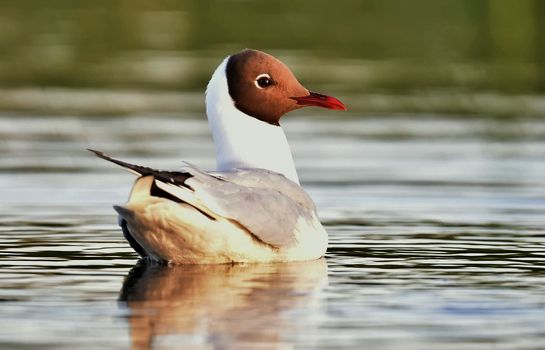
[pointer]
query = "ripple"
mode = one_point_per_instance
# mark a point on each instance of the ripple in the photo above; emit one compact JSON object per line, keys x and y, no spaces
{"x":437,"y":241}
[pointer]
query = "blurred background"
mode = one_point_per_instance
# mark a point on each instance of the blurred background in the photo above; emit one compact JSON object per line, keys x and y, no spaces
{"x":450,"y":56}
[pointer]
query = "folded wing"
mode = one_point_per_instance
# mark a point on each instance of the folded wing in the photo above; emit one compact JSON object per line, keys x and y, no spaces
{"x":265,"y":203}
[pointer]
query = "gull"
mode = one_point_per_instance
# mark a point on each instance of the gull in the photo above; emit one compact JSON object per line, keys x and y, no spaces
{"x":251,"y":208}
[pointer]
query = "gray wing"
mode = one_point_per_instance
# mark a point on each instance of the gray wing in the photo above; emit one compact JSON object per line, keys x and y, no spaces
{"x":266,"y":203}
{"x":261,"y":178}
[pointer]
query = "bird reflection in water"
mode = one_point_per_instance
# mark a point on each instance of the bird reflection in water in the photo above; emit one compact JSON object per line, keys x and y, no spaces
{"x":240,"y":306}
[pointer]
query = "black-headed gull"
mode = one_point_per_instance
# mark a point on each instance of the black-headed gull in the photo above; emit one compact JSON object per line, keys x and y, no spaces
{"x":252,"y":209}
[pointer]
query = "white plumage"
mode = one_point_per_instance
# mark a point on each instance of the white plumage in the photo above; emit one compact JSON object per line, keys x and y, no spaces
{"x":252,"y":208}
{"x":242,"y":141}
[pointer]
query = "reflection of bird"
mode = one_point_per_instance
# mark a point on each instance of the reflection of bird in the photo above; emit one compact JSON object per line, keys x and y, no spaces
{"x":229,"y":306}
{"x":252,"y":209}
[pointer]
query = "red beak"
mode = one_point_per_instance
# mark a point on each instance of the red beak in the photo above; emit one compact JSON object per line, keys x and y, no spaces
{"x":319,"y":100}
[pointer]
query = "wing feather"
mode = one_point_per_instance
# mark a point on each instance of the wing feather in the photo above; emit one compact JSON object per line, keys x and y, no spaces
{"x":267,"y":204}
{"x":270,"y":213}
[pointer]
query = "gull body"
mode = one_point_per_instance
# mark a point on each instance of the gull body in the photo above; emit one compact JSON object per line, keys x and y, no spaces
{"x":252,"y":208}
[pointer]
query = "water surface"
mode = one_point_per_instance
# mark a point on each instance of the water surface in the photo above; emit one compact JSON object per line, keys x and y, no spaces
{"x":437,"y":239}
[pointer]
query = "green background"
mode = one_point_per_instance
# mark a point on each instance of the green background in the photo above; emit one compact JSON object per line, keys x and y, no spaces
{"x":445,"y":56}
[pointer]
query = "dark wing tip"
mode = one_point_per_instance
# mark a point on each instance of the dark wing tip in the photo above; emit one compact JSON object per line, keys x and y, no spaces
{"x":174,"y":177}
{"x":94,"y":151}
{"x":107,"y":157}
{"x":139,"y":170}
{"x":99,"y":154}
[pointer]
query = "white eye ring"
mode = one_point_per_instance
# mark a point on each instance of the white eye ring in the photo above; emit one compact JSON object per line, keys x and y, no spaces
{"x":264,"y":75}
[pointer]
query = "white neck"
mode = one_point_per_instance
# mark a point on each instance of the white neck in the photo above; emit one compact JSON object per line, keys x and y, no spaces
{"x":243,"y":141}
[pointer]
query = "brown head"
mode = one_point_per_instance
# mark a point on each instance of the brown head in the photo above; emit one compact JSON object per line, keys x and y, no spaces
{"x":265,"y":88}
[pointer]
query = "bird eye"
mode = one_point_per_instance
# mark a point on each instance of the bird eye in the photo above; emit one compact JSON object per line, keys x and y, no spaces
{"x":263,"y":80}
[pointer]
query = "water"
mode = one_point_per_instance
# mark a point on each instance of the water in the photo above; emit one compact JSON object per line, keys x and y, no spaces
{"x":436,"y":225}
